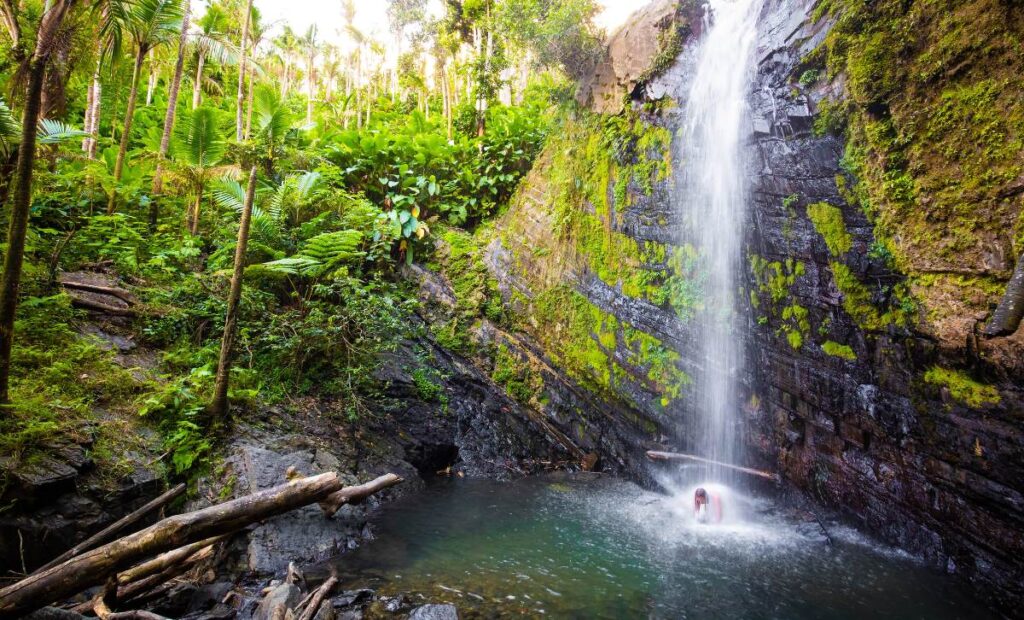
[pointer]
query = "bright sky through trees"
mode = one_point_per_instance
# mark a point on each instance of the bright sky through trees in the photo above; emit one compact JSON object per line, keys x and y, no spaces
{"x":371,"y":16}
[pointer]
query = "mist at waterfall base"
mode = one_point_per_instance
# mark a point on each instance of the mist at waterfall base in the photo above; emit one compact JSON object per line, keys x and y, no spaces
{"x":588,"y":546}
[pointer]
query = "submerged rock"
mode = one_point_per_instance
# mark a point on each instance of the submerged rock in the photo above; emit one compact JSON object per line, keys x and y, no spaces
{"x":435,"y":612}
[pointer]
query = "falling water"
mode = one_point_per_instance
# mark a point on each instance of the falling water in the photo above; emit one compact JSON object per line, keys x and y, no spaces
{"x":712,"y":202}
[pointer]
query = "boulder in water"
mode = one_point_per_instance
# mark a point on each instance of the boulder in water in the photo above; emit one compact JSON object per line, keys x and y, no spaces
{"x":435,"y":611}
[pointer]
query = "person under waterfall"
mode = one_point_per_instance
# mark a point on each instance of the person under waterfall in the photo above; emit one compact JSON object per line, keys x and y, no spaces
{"x":707,"y":506}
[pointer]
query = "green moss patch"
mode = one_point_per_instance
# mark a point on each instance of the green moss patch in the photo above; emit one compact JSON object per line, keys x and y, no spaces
{"x":517,"y":376}
{"x":839,"y":350}
{"x":772,"y":295}
{"x":828,"y":221}
{"x":600,"y":351}
{"x":963,"y":388}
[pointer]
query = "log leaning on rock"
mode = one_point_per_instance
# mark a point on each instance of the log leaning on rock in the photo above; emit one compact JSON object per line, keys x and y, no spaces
{"x":655,"y":455}
{"x":96,"y":566}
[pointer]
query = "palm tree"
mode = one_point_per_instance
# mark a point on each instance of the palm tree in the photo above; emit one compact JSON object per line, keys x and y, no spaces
{"x":331,"y":70}
{"x":219,"y":406}
{"x":172,"y":106}
{"x":272,"y":123}
{"x":287,"y":44}
{"x":257,"y":31}
{"x":198,"y":147}
{"x":247,"y":18}
{"x":210,"y":41}
{"x":310,"y":48}
{"x":151,"y":23}
{"x":35,"y":65}
{"x":112,"y":16}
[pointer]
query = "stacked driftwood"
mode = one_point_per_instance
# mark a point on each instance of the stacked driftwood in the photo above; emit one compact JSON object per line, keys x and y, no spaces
{"x":136,"y":568}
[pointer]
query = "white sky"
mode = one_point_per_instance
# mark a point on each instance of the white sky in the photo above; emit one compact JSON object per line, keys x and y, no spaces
{"x":371,"y":15}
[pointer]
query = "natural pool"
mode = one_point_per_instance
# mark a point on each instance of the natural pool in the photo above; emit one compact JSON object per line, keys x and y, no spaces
{"x":588,"y":547}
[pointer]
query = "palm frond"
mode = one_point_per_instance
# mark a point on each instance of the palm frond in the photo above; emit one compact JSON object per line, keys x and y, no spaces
{"x":54,"y":132}
{"x":228,"y":193}
{"x":198,"y":140}
{"x":307,"y":183}
{"x":272,"y":117}
{"x":152,"y":22}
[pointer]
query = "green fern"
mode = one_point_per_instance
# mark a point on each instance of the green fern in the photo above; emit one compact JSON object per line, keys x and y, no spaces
{"x":323,"y":255}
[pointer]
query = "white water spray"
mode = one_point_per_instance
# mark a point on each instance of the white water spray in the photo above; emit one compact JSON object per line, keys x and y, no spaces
{"x":712,"y":202}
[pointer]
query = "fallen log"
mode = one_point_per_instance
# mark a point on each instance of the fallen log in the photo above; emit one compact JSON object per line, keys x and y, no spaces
{"x":318,"y":597}
{"x":137,"y":614}
{"x":95,"y":566}
{"x":655,"y":455}
{"x":120,"y":293}
{"x":165,"y":560}
{"x":88,"y":304}
{"x":133,"y":591}
{"x":143,"y":578}
{"x":107,"y":533}
{"x":357,"y":494}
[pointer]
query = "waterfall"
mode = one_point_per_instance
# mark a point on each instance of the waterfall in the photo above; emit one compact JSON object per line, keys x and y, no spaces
{"x":712,"y":201}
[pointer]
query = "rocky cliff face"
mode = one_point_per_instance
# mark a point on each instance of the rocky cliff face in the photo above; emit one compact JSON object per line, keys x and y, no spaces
{"x":868,"y":384}
{"x":889,"y":404}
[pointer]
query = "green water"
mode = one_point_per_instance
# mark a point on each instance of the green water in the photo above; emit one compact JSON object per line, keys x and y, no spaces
{"x":591,"y":548}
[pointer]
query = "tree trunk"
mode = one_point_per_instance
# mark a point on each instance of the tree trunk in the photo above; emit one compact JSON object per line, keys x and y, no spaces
{"x":172,"y":108}
{"x":356,"y":495}
{"x":23,"y":191}
{"x":240,"y":97}
{"x":129,"y":113}
{"x":309,"y":91}
{"x":446,"y":93}
{"x":358,"y":87}
{"x":97,"y":103}
{"x":248,"y":107}
{"x":197,"y":92}
{"x":91,"y":120}
{"x":287,"y":76}
{"x":19,"y":221}
{"x":87,"y":116}
{"x":94,"y":567}
{"x":219,"y":406}
{"x":193,"y":225}
{"x":151,"y":83}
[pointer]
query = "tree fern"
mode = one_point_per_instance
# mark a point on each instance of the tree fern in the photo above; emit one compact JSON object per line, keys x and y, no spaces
{"x":10,"y":131}
{"x":323,"y":255}
{"x":266,"y":223}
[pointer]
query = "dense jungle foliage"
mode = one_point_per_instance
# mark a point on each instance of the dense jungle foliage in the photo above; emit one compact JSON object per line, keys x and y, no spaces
{"x":148,"y":119}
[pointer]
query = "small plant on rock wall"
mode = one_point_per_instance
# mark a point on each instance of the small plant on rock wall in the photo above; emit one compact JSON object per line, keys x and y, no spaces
{"x":810,"y":78}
